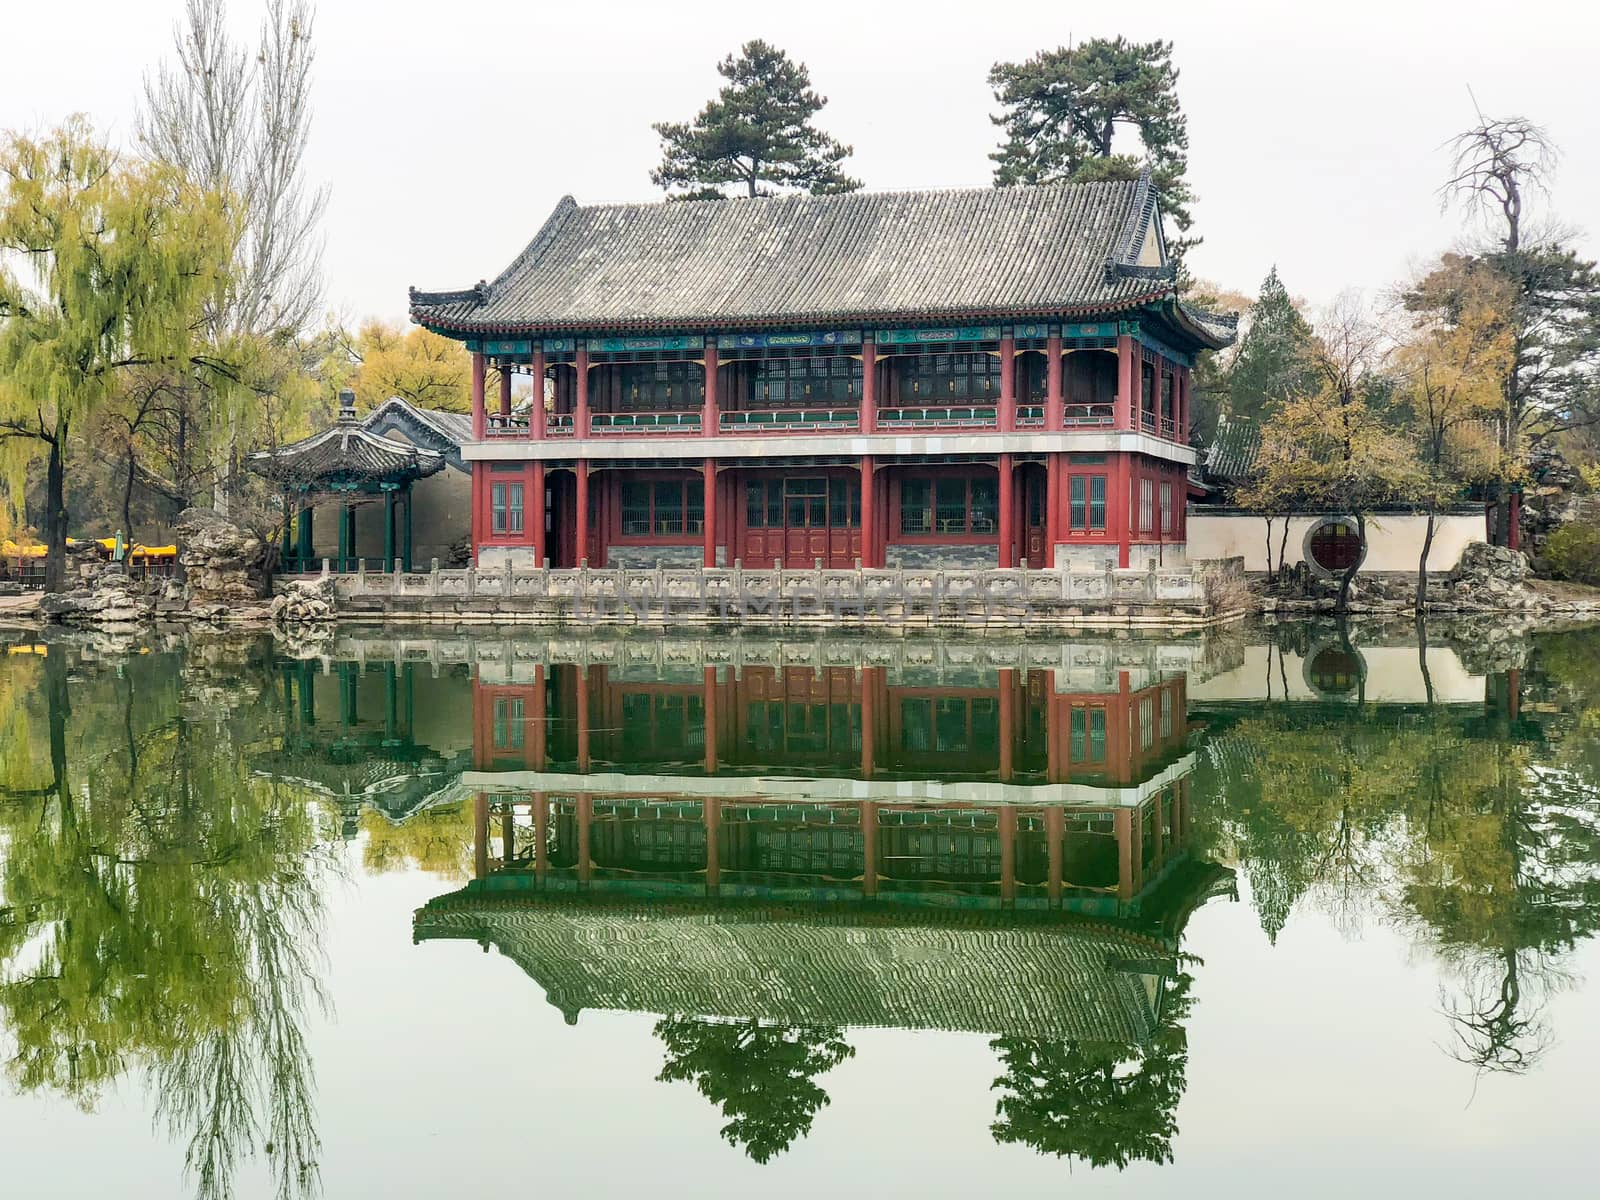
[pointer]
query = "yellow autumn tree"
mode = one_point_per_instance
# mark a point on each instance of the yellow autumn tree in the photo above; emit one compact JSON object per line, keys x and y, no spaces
{"x":417,"y":364}
{"x":1453,"y":362}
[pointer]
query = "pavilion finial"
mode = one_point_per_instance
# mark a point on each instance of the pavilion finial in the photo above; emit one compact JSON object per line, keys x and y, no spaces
{"x":347,"y":405}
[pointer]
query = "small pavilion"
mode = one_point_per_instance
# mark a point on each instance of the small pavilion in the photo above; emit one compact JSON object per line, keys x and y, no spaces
{"x":353,"y":465}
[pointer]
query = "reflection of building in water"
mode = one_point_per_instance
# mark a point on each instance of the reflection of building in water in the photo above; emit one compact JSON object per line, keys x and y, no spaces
{"x":1023,"y":726}
{"x":355,"y":734}
{"x":1033,"y":920}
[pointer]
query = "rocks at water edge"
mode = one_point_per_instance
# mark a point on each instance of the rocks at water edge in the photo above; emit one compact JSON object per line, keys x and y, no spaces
{"x":109,"y":600}
{"x":305,"y":602}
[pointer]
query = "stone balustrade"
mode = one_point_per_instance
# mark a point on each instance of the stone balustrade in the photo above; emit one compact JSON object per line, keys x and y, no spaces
{"x":850,"y":598}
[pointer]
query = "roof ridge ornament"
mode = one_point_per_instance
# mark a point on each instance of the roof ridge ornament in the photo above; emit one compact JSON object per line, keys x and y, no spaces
{"x":1123,"y":261}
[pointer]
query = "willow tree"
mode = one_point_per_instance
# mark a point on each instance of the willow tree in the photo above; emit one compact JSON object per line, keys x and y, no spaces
{"x":106,"y":265}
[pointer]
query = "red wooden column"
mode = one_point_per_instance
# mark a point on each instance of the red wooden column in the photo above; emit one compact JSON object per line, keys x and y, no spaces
{"x":1055,"y":832}
{"x":1008,"y":722}
{"x":536,"y":414}
{"x":1008,"y":530}
{"x":580,"y":408}
{"x":480,"y":834}
{"x":508,"y":834}
{"x":536,"y":517}
{"x":1052,"y":507}
{"x":480,"y":419}
{"x":1183,"y":405}
{"x":869,"y":720}
{"x":582,"y":469}
{"x":710,"y":412}
{"x":1053,"y":731}
{"x":711,"y":811}
{"x":869,"y":388}
{"x":709,"y":508}
{"x":1007,"y":412}
{"x":585,"y":820}
{"x":1052,"y":385}
{"x":869,"y":848}
{"x":1514,"y":522}
{"x":1127,"y":404}
{"x":582,"y":706}
{"x":708,"y":705}
{"x":505,"y":389}
{"x":869,"y":515}
{"x":1008,"y":853}
{"x":541,"y":835}
{"x":1120,"y":519}
{"x":1122,"y":827}
{"x":538,"y":742}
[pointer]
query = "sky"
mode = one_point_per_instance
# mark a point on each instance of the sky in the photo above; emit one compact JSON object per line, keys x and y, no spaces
{"x":446,"y":131}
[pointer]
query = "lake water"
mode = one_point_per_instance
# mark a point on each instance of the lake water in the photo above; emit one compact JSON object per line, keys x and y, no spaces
{"x":1260,"y":912}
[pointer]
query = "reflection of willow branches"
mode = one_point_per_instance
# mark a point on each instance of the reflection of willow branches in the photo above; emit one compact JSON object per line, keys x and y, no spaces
{"x":171,"y":906}
{"x":251,"y":1081}
{"x":1109,"y":1104}
{"x":761,"y":1076}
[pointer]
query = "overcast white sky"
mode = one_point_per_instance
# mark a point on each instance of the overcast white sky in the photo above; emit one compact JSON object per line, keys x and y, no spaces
{"x":447,"y":129}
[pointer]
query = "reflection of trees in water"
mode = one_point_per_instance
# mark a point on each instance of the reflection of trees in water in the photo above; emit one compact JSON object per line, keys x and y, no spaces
{"x":165,"y":909}
{"x":762,"y":1077}
{"x":1108,"y":1104}
{"x":1483,"y":847}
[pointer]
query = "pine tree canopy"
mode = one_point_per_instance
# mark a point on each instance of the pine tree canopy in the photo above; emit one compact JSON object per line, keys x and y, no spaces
{"x":1061,"y":110}
{"x":1275,"y":361}
{"x":756,"y":135}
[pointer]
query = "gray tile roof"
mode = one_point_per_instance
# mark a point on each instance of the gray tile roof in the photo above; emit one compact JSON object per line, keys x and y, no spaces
{"x":932,"y":970}
{"x":347,"y":450}
{"x":797,"y":260}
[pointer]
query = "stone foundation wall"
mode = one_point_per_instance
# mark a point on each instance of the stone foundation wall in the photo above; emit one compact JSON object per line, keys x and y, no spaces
{"x":961,"y":556}
{"x":646,"y":557}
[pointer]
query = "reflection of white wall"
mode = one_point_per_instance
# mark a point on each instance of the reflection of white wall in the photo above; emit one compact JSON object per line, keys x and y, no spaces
{"x":1394,"y":676}
{"x":1395,"y":540}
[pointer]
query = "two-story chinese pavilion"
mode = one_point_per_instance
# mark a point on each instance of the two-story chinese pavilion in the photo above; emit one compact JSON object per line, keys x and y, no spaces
{"x":975,"y":378}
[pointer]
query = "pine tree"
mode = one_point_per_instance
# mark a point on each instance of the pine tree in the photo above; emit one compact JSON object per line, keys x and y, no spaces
{"x":1061,"y":111}
{"x":756,"y":135}
{"x":1276,"y":357}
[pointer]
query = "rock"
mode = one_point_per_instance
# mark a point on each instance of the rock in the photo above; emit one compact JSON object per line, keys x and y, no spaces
{"x":111,"y":601}
{"x":1482,"y":564}
{"x":224,"y":564}
{"x":305,"y":602}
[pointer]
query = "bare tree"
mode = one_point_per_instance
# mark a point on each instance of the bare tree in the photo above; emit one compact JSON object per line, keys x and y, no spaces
{"x":238,"y":121}
{"x":1495,"y":165}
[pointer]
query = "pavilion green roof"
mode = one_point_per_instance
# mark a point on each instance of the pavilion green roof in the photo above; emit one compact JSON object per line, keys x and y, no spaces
{"x":870,"y":258}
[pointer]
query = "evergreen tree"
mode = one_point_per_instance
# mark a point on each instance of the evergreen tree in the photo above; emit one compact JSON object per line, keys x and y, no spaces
{"x":756,"y":135}
{"x":763,"y":1077}
{"x":1108,"y":1104}
{"x":1276,"y":357}
{"x":1061,"y":110}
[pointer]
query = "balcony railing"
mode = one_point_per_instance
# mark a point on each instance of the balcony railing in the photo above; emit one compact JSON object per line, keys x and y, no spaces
{"x":1029,"y":416}
{"x":943,"y":416}
{"x":1076,"y":415}
{"x":792,"y":420}
{"x":497,"y":426}
{"x":612,"y":424}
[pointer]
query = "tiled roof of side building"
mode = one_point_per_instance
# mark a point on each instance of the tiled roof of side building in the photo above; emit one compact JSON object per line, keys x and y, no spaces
{"x":794,"y":260}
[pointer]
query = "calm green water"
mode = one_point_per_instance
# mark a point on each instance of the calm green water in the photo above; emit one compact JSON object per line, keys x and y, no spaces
{"x":1268,"y":911}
